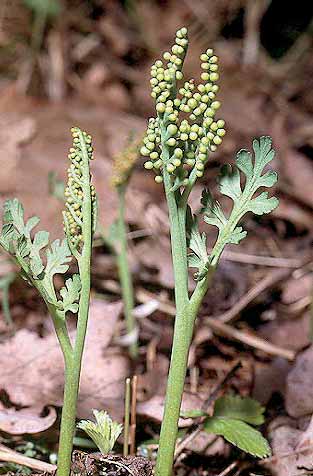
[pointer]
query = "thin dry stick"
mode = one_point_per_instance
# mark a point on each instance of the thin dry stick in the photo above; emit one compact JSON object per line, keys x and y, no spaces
{"x":249,"y":339}
{"x":10,"y":456}
{"x":194,"y":379}
{"x":270,"y":261}
{"x":228,"y":469}
{"x":133,"y":416}
{"x":126,"y":417}
{"x":251,"y":44}
{"x":272,"y":278}
{"x":216,"y":325}
{"x":228,"y":331}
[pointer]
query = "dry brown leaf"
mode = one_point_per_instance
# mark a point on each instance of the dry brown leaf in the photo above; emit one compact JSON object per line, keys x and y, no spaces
{"x":19,"y":422}
{"x":298,"y":170}
{"x":34,"y":370}
{"x":299,"y":389}
{"x":293,"y":333}
{"x":269,"y":379}
{"x":209,"y":445}
{"x":14,"y":132}
{"x":287,"y":445}
{"x":295,"y":289}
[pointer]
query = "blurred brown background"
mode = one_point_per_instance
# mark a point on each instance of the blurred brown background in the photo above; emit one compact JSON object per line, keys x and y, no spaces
{"x":87,"y":63}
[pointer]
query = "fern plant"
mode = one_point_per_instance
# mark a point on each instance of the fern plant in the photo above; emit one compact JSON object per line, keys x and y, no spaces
{"x":117,"y":239}
{"x":27,"y":249}
{"x":178,"y":144}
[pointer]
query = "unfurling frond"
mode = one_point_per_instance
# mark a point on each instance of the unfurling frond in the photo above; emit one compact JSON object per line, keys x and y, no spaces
{"x":104,"y":432}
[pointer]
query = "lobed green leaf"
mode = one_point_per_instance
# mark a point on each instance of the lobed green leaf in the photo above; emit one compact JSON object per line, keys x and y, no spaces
{"x":58,"y":258}
{"x":70,"y":295}
{"x":243,"y":195}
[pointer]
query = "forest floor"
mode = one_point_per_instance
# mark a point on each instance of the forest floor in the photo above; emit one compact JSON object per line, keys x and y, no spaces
{"x":253,"y":333}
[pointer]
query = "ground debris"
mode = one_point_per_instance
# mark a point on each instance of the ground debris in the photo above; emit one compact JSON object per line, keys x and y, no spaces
{"x":95,"y":464}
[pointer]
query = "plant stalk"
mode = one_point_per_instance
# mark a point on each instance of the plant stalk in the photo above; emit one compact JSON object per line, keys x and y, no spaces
{"x":73,"y":363}
{"x":124,"y":273}
{"x":186,"y":312}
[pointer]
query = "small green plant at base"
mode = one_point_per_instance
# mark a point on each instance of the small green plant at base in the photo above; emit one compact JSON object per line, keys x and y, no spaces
{"x":104,"y":432}
{"x":232,"y":418}
{"x":27,"y":250}
{"x":177,"y":148}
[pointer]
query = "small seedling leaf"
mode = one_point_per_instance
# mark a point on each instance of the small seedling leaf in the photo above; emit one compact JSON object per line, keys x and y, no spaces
{"x":240,"y":408}
{"x":240,"y":434}
{"x":104,"y":432}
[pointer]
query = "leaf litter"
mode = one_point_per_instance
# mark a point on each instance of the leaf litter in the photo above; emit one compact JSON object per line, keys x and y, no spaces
{"x":38,"y":140}
{"x":27,"y":358}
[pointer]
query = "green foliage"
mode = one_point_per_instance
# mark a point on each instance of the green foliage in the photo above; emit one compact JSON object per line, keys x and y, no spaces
{"x":246,"y":409}
{"x":50,"y":8}
{"x":243,"y":196}
{"x":5,"y":283}
{"x":239,"y":434}
{"x":193,"y":413}
{"x":58,"y":258}
{"x":104,"y":432}
{"x":70,"y":295}
{"x":41,"y":240}
{"x":178,"y":144}
{"x":230,"y":419}
{"x":16,"y":238}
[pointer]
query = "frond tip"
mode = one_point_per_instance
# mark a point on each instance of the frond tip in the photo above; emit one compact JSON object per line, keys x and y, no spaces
{"x":104,"y":431}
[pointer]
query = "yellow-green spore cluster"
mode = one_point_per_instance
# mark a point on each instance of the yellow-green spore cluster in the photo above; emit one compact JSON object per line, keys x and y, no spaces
{"x":185,"y":123}
{"x":74,"y":195}
{"x":124,"y":164}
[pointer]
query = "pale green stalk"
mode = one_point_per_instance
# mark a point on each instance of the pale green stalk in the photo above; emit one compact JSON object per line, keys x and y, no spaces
{"x":186,"y":313}
{"x":124,"y":272}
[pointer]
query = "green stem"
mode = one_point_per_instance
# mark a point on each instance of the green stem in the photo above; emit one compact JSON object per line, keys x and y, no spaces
{"x":73,"y":363}
{"x":186,"y":312}
{"x":124,"y":272}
